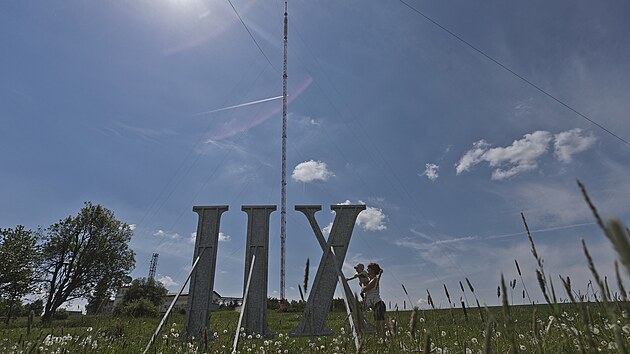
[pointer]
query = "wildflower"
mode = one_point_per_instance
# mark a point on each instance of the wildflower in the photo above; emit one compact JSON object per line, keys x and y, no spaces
{"x":522,"y":347}
{"x":224,"y":331}
{"x":174,"y":324}
{"x":595,"y":330}
{"x":421,"y":319}
{"x":89,"y":329}
{"x":280,"y":334}
{"x":443,"y":334}
{"x":549,"y":324}
{"x":468,"y":351}
{"x":94,"y":345}
{"x":474,"y":340}
{"x":626,"y":329}
{"x":521,"y":336}
{"x":612,"y":346}
{"x":258,"y":336}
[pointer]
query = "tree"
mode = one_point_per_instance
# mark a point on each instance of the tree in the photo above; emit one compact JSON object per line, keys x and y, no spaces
{"x":19,"y":260}
{"x":149,"y":289}
{"x":143,"y":297}
{"x":81,"y":251}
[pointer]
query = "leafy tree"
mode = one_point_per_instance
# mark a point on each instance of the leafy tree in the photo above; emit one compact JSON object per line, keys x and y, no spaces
{"x":19,"y":260}
{"x":81,"y":251}
{"x":149,"y":289}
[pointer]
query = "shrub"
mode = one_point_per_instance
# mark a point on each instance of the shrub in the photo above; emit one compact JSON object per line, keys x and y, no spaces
{"x":61,"y":314}
{"x":137,"y":308}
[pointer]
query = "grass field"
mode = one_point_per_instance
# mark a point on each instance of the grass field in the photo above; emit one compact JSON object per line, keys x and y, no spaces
{"x":527,"y":329}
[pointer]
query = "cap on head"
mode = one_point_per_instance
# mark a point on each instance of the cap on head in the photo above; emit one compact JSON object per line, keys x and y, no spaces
{"x":360,"y":267}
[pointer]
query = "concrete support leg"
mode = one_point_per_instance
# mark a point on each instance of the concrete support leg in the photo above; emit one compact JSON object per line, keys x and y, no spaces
{"x":202,"y":280}
{"x":255,"y":311}
{"x":313,"y":321}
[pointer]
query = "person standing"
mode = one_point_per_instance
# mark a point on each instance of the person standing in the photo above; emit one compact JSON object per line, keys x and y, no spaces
{"x":373,"y":298}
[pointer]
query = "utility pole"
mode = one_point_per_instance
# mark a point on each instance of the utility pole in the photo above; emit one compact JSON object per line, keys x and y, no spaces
{"x":283,"y":209}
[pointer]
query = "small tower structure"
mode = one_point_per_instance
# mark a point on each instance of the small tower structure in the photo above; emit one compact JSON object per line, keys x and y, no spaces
{"x":153,"y":266}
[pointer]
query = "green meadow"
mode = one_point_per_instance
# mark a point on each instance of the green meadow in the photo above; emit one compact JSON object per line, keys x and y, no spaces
{"x":532,"y":328}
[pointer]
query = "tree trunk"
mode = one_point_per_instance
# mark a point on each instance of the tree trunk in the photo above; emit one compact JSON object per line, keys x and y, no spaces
{"x":9,"y":312}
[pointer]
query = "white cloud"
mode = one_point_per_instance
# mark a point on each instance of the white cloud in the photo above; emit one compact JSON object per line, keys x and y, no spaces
{"x":519,"y":157}
{"x":370,"y":219}
{"x":222,"y":237}
{"x":571,"y":142}
{"x":431,"y":171}
{"x":310,"y":171}
{"x":472,"y":156}
{"x":167,"y":281}
{"x":523,"y":154}
{"x":162,"y":233}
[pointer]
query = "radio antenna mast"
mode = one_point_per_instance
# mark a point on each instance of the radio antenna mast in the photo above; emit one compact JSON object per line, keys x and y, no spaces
{"x":153,"y":266}
{"x":283,"y":208}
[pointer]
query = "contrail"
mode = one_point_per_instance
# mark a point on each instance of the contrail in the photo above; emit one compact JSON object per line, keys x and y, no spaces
{"x":237,"y":106}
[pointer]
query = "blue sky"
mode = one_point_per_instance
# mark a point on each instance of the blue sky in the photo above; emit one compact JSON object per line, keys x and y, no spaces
{"x":99,"y":102}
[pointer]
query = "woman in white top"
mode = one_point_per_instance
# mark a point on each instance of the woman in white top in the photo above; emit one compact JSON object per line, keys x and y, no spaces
{"x":373,"y":298}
